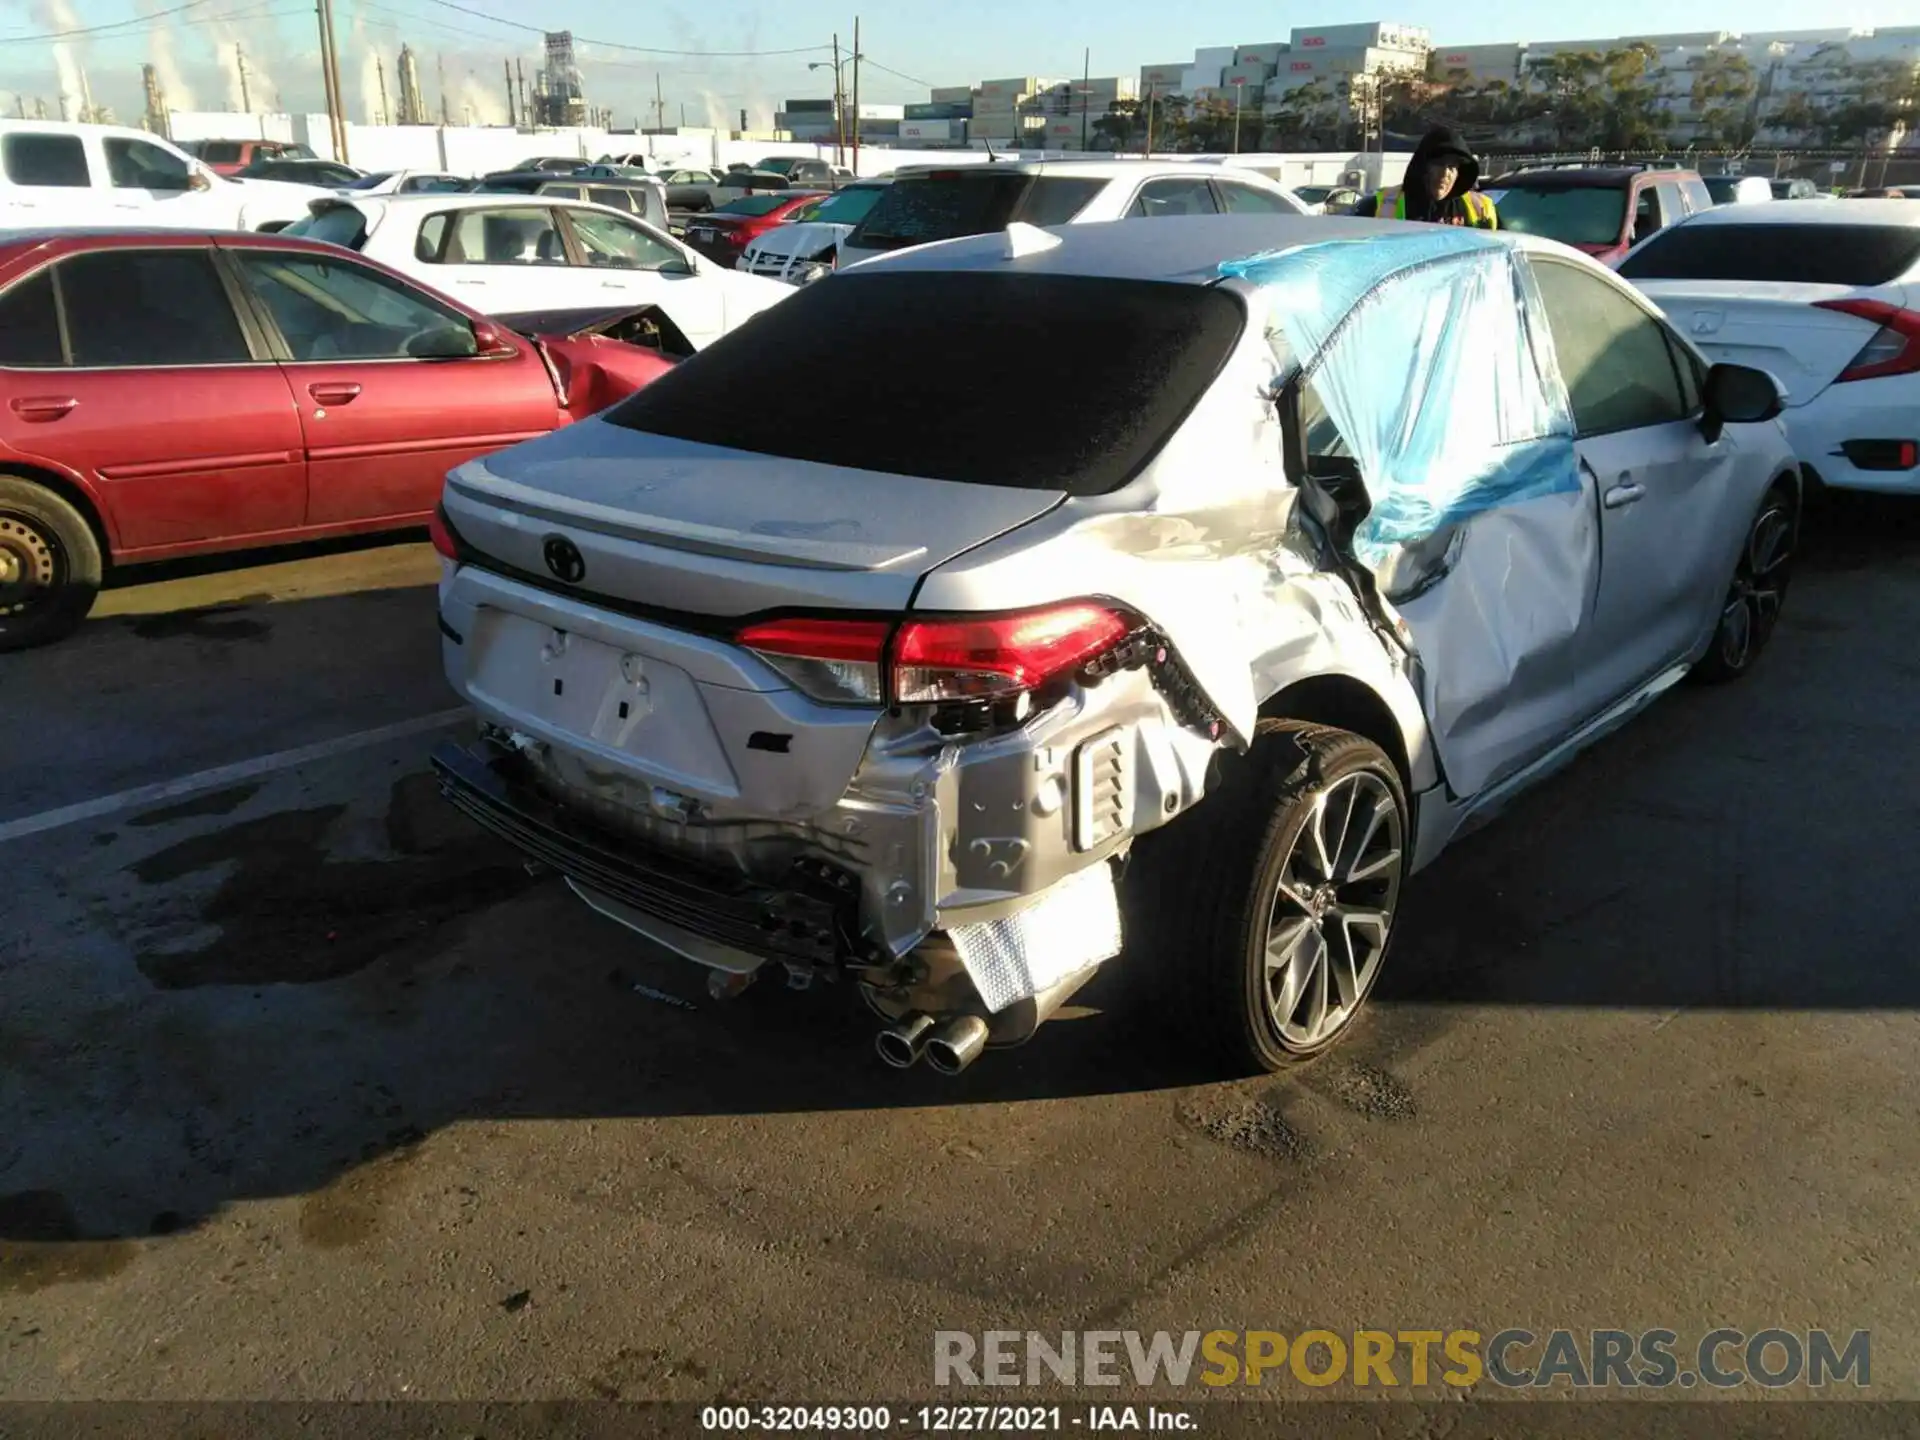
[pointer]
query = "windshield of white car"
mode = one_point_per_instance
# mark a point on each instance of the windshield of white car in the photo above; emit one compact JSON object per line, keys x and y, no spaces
{"x":947,"y":204}
{"x":1793,"y":254}
{"x":341,"y":225}
{"x":1144,"y":352}
{"x":1571,"y":214}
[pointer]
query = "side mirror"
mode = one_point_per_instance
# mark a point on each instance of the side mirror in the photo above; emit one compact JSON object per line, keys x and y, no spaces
{"x":198,"y":179}
{"x":451,"y":343}
{"x":1738,"y":395}
{"x":490,"y":339}
{"x":676,"y":267}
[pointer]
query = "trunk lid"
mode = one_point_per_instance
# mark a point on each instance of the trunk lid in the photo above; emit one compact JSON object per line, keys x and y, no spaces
{"x":699,"y":531}
{"x":1774,"y":326}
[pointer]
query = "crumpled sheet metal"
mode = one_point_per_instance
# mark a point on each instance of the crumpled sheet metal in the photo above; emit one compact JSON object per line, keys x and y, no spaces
{"x":1420,"y":346}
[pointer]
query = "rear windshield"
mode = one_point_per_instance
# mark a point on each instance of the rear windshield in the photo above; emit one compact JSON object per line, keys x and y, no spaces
{"x":898,"y":369}
{"x":1582,"y":215}
{"x":1806,"y":254}
{"x":342,"y":225}
{"x":755,"y":204}
{"x":849,"y":207}
{"x":918,"y":209}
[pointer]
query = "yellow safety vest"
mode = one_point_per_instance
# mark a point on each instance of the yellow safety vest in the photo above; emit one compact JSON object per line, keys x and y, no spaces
{"x":1480,"y":212}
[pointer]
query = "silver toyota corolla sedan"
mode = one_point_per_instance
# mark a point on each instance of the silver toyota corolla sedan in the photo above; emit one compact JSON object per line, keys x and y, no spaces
{"x":1186,"y":585}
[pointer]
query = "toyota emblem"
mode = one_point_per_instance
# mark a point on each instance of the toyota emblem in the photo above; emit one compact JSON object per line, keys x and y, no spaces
{"x":564,"y":559}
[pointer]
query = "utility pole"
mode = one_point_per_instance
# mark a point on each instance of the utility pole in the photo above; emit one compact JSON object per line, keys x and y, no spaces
{"x":440,"y":65}
{"x":1086,"y":92}
{"x":659,"y":104}
{"x":330,"y":80}
{"x":86,"y":99}
{"x":683,"y":114}
{"x":839,"y":108}
{"x":1153,"y":90}
{"x":381,"y":71}
{"x":240,"y":64}
{"x":20,"y":104}
{"x":856,"y":94}
{"x":507,"y":65}
{"x":1239,"y":97}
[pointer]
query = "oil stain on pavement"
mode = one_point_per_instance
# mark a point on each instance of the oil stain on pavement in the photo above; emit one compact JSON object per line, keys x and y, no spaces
{"x":41,"y":1245}
{"x":288,"y":913}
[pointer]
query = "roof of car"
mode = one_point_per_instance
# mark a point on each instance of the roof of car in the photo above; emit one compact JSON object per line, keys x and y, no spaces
{"x":1089,"y":169}
{"x":15,"y":242}
{"x":1598,"y":177}
{"x":1809,"y":212}
{"x":460,"y":200}
{"x":1182,"y":249}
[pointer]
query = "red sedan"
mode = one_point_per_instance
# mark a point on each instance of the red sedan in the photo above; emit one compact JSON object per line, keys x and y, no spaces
{"x":166,"y":394}
{"x":722,"y":234}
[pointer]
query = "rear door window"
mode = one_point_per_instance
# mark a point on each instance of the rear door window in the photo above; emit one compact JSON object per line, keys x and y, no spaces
{"x":1646,"y":213}
{"x":149,"y":307}
{"x":1159,"y":198}
{"x":1144,"y":354}
{"x":55,"y":160}
{"x":139,"y":165}
{"x":565,"y":192}
{"x":219,"y":152}
{"x":613,"y":196}
{"x":30,"y":323}
{"x":519,"y":235}
{"x":1790,"y":254}
{"x":1673,"y":203}
{"x":1237,"y":199}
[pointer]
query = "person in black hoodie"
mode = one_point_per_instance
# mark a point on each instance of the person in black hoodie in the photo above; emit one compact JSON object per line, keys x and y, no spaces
{"x":1438,"y":187}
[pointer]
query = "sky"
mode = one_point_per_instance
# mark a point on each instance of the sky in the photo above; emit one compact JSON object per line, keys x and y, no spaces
{"x":714,"y":58}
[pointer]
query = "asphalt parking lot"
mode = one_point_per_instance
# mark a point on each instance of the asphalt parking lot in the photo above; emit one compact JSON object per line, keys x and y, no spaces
{"x":309,"y":1091}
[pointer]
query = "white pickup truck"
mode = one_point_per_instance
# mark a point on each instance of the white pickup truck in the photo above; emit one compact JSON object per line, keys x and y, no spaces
{"x":59,"y":174}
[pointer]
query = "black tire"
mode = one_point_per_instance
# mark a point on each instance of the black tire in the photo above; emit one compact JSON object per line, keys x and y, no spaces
{"x":50,"y":565}
{"x":1202,"y":892}
{"x":1758,"y":591}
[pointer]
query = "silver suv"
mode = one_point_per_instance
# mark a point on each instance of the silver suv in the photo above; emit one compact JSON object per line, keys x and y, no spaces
{"x":1328,"y":537}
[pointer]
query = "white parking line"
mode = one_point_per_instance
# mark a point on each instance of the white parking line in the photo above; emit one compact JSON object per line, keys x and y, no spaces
{"x":144,"y":795}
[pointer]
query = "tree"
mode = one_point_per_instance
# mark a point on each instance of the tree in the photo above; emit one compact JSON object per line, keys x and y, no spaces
{"x":1304,"y":119}
{"x":1630,"y":117}
{"x":1122,"y":127}
{"x":1723,"y":94}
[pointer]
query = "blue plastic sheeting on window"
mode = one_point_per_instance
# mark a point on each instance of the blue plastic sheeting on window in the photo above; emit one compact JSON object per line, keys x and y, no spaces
{"x":1421,"y":346}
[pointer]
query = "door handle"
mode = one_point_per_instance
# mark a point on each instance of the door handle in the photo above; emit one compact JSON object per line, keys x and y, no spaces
{"x":334,"y":393}
{"x":39,"y":409}
{"x":1623,"y":494}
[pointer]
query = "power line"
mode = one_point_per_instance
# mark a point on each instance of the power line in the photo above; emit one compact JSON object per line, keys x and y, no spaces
{"x":138,"y":22}
{"x":634,"y":49}
{"x":911,"y":79}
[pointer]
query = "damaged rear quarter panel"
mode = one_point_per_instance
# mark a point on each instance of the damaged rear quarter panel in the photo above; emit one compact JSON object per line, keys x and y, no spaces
{"x":1200,"y":544}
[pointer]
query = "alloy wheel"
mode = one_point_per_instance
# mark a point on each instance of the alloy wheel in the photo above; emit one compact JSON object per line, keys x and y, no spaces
{"x":1333,"y":910}
{"x":30,"y":563}
{"x":1759,"y":586}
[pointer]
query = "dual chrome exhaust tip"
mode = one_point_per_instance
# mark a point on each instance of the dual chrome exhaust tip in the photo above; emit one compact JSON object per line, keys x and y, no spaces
{"x":949,"y":1046}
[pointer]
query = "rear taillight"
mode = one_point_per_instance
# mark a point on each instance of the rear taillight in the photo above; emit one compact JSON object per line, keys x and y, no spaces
{"x":839,"y":661}
{"x":1895,"y":346}
{"x":997,"y":656}
{"x":445,"y":542}
{"x":957,"y":659}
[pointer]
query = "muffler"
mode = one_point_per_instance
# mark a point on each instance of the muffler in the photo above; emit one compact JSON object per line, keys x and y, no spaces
{"x":901,"y":1045}
{"x":957,"y":1044}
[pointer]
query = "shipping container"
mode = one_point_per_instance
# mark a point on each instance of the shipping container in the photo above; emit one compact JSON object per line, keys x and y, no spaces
{"x":1254,"y":74}
{"x":938,"y":110}
{"x":1006,"y":88}
{"x":951,"y":94}
{"x":809,"y":107}
{"x":883,"y":112}
{"x":1163,"y":78}
{"x":1375,"y":36}
{"x":1268,"y":54}
{"x":927,"y":130}
{"x":1200,"y":77}
{"x":1482,"y":62}
{"x":1208,"y":56}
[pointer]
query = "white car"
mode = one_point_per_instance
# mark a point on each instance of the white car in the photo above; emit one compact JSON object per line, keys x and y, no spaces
{"x":56,"y":173}
{"x":408,"y":182}
{"x":929,"y":203}
{"x":803,"y":250}
{"x":1824,"y":294}
{"x":520,"y":254}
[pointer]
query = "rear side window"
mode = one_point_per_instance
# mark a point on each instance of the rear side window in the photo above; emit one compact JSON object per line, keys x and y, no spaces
{"x":1144,"y":354}
{"x":613,"y":196}
{"x":341,"y":225}
{"x":45,"y":160}
{"x":1159,"y":198}
{"x":1802,"y":254}
{"x":1245,"y":200}
{"x":149,"y":307}
{"x":1698,"y":196}
{"x":220,"y":152}
{"x":565,"y":192}
{"x":30,"y":324}
{"x":948,"y":204}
